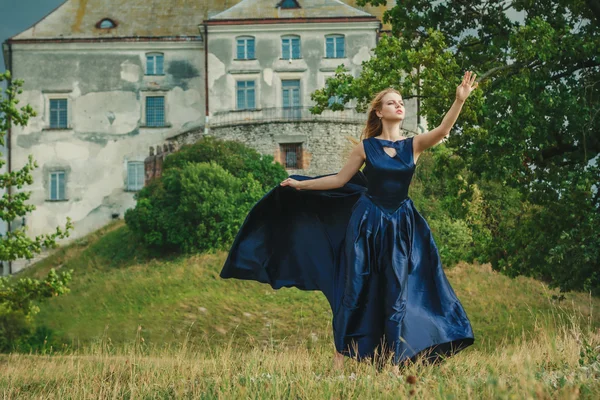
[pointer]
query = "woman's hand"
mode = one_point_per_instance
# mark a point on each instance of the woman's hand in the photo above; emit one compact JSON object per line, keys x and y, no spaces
{"x":466,"y":87}
{"x":291,"y":182}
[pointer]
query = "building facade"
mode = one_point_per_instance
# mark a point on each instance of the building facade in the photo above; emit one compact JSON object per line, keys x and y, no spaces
{"x":111,"y":78}
{"x":264,"y":61}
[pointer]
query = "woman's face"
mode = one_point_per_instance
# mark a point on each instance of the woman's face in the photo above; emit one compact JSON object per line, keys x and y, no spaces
{"x":392,"y":107}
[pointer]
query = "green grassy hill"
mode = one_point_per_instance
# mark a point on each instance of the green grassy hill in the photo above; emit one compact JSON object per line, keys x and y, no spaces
{"x":120,"y":293}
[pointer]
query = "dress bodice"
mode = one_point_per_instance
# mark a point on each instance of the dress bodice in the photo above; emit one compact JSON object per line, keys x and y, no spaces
{"x":388,"y":177}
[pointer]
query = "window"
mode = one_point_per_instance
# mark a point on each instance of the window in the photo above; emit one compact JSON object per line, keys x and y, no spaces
{"x":335,"y":99}
{"x":290,"y":47}
{"x":57,"y":185}
{"x":154,"y":64}
{"x":135,"y":175}
{"x":334,"y":46}
{"x":246,"y":95}
{"x":106,"y":23}
{"x":245,"y":48}
{"x":58,"y":113}
{"x":290,"y":96}
{"x":288,"y":4}
{"x":292,"y":155}
{"x":155,"y":111}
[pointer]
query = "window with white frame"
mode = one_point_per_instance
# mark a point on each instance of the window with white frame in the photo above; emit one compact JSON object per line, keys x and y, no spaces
{"x":155,"y":111}
{"x":245,"y":48}
{"x":246,"y":95}
{"x":57,"y":185}
{"x":335,"y":46}
{"x":155,"y":64}
{"x":135,"y":175}
{"x":58,"y":113}
{"x":290,"y":47}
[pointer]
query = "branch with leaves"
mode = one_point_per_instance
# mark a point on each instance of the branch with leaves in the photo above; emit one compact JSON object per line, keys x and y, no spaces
{"x":16,"y":244}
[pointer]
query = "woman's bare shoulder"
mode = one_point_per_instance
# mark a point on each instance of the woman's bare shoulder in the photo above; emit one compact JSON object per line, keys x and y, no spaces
{"x":359,"y":149}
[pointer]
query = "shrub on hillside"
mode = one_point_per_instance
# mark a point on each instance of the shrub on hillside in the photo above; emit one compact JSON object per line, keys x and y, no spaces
{"x":453,"y":238}
{"x":19,"y":303}
{"x":197,"y":207}
{"x":235,"y":157}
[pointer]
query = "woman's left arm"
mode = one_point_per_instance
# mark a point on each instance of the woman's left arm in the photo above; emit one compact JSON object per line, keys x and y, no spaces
{"x":429,"y":139}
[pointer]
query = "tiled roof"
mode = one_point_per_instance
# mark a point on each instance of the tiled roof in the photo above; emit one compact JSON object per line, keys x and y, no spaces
{"x":258,"y":9}
{"x":80,"y":19}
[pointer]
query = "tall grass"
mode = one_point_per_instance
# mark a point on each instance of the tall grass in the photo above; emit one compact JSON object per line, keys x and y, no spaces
{"x":170,"y":328}
{"x":562,"y":363}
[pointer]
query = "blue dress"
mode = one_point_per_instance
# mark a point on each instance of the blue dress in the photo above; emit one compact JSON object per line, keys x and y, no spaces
{"x":370,"y":252}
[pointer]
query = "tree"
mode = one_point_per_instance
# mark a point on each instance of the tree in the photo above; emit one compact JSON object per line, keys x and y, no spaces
{"x":532,"y":126}
{"x":16,"y":244}
{"x":18,"y":306}
{"x":18,"y":298}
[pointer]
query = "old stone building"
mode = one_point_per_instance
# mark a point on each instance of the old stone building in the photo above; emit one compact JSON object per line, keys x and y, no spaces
{"x":265,"y":59}
{"x":110,"y":78}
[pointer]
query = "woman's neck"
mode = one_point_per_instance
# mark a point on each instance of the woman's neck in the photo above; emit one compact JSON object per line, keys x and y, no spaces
{"x":391,"y":131}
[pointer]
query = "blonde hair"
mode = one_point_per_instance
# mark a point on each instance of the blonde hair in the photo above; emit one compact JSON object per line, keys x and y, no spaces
{"x":374,"y":126}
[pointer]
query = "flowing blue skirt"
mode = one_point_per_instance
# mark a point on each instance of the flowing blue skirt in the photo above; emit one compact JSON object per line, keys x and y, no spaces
{"x":379,"y":270}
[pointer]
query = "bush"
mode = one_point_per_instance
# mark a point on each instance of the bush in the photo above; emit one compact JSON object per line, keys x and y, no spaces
{"x":18,"y":334}
{"x":453,"y":238}
{"x":14,"y":326}
{"x":195,"y":208}
{"x":235,"y":157}
{"x":566,"y":255}
{"x":19,"y":299}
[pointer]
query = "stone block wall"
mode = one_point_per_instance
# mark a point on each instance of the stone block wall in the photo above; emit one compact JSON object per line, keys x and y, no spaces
{"x":325,"y":146}
{"x":153,"y":163}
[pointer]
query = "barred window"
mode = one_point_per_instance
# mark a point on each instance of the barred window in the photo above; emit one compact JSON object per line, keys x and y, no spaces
{"x":58,"y":113}
{"x":155,"y":111}
{"x":292,"y":155}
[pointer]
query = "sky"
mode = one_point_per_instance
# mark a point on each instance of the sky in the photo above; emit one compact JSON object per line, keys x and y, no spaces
{"x":18,"y":15}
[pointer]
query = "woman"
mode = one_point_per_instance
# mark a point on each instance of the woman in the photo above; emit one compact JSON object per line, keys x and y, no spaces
{"x":357,"y":237}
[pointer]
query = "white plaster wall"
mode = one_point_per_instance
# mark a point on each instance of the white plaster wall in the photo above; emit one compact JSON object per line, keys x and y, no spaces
{"x":106,"y":123}
{"x":360,"y":40}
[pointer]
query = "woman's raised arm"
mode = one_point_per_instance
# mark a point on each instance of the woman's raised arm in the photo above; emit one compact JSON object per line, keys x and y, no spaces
{"x":355,"y":161}
{"x":429,"y":139}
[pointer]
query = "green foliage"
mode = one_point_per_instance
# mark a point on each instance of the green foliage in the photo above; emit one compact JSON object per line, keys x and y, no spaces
{"x":196,"y":208}
{"x":532,"y":126}
{"x":454,"y":238}
{"x":183,"y":301}
{"x":464,"y":212}
{"x":565,"y":256}
{"x":203,"y":196}
{"x":19,"y":303}
{"x":18,"y":298}
{"x":16,"y":244}
{"x":235,"y":157}
{"x":436,"y":62}
{"x":121,"y":248}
